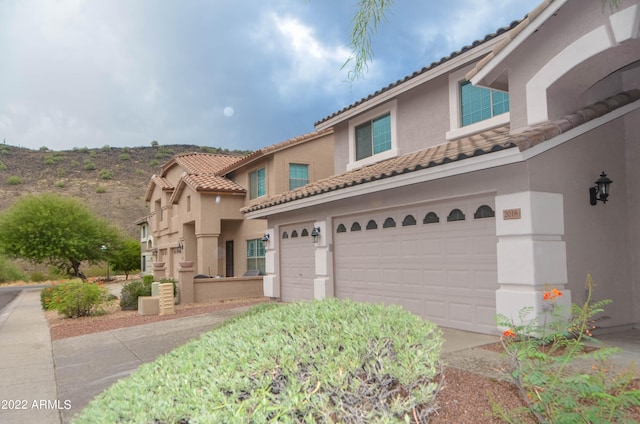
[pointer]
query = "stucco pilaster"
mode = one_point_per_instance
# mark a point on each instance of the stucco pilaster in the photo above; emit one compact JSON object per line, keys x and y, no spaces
{"x":271,"y":282}
{"x":322,"y":283}
{"x":208,"y":252}
{"x":531,"y":252}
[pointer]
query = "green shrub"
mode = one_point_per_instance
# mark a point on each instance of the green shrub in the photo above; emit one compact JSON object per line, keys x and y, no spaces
{"x":323,"y":361}
{"x":44,"y":149}
{"x":9,"y":272}
{"x":154,"y":162}
{"x":105,"y":174}
{"x":101,"y":189}
{"x":75,"y":163}
{"x":106,"y":148}
{"x":89,"y":165}
{"x":76,"y":298}
{"x":14,"y":180}
{"x":139,"y":171}
{"x":125,"y":156}
{"x":37,"y":276}
{"x":130,"y":293}
{"x":147,"y":279}
{"x":3,"y":167}
{"x":61,"y":172}
{"x":49,"y":160}
{"x":60,"y":184}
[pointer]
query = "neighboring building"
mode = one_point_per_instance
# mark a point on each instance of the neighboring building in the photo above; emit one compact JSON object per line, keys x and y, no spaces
{"x":195,"y":203}
{"x":146,"y":246}
{"x":461,"y":200}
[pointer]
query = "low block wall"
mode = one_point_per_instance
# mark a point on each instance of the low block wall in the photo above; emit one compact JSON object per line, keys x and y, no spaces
{"x":208,"y":289}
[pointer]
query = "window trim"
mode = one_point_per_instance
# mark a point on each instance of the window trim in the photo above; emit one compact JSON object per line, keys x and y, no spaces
{"x":387,"y":108}
{"x":255,"y":171}
{"x":456,"y":130}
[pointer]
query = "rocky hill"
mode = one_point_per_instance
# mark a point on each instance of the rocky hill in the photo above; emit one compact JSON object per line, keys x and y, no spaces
{"x":111,"y":181}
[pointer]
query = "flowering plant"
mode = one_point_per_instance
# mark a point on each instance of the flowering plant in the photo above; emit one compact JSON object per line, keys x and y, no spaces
{"x":548,"y":366}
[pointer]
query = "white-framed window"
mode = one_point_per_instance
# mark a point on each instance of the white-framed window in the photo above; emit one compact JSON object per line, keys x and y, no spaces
{"x":256,"y":255}
{"x":474,"y":109}
{"x":372,"y":136}
{"x":257,"y":183}
{"x":298,"y":175}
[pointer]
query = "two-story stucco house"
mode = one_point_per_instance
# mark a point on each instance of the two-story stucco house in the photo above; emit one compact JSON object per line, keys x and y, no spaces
{"x":195,"y":204}
{"x":464,"y":190}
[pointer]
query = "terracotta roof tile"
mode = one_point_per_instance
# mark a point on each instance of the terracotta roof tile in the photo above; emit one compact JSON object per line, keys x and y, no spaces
{"x":200,"y":163}
{"x":212,"y":183}
{"x":487,"y":142}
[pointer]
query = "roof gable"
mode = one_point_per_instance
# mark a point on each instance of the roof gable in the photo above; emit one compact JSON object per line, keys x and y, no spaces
{"x":200,"y":163}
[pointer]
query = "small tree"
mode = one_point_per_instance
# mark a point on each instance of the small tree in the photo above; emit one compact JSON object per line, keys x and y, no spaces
{"x":55,"y":230}
{"x":125,"y":257}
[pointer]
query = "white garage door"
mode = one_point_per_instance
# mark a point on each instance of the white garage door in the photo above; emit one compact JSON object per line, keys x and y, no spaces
{"x":297,"y":262}
{"x":437,"y":261}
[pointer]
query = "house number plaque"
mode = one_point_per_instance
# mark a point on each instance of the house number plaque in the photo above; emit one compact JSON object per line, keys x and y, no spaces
{"x":511,"y":214}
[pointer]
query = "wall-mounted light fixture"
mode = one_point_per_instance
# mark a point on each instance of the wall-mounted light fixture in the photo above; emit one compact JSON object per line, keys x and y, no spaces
{"x":265,"y":240}
{"x":600,"y":191}
{"x":180,"y":247}
{"x":315,"y":235}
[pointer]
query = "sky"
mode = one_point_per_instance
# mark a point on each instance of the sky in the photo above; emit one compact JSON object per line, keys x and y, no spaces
{"x":237,"y":74}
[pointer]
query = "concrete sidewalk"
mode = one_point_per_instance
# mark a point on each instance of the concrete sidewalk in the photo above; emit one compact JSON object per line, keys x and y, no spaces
{"x":28,"y":392}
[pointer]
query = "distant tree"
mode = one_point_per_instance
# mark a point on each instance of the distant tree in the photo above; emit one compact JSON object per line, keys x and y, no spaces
{"x":55,"y":230}
{"x":125,"y":257}
{"x":154,"y":143}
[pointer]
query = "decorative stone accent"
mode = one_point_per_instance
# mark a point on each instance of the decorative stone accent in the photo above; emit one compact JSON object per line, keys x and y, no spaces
{"x":167,"y":304}
{"x":148,"y":305}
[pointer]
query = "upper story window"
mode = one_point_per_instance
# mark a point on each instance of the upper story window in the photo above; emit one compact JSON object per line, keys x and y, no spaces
{"x":474,"y":109}
{"x":143,"y":231}
{"x":257,"y":183}
{"x":372,"y":136}
{"x":298,"y":175}
{"x":478,"y":103}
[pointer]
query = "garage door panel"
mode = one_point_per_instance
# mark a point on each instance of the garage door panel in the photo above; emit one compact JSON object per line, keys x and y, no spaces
{"x":297,"y":264}
{"x":446,"y":271}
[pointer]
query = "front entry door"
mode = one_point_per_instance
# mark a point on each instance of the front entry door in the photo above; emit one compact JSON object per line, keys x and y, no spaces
{"x":229,"y":258}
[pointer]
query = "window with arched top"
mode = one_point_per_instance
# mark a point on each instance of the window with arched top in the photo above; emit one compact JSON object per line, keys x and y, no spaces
{"x":408,"y":220}
{"x":341,"y":229}
{"x":389,"y":223}
{"x":304,"y":233}
{"x":285,"y":235}
{"x":431,"y":218}
{"x":372,"y":225}
{"x":294,"y":234}
{"x":455,"y":215}
{"x":356,"y":227}
{"x":484,"y":211}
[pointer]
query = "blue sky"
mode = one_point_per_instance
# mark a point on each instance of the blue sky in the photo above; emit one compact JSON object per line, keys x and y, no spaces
{"x":239,"y":74}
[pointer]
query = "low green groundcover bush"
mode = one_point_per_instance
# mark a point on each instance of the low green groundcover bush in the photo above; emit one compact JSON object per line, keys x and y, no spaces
{"x":323,"y":361}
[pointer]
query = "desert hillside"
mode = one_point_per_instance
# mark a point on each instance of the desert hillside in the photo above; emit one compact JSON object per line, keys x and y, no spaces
{"x":112,"y":181}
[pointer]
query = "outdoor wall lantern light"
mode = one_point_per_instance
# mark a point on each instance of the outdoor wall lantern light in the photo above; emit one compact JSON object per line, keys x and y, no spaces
{"x":180,"y":247}
{"x":265,"y":240}
{"x":315,"y":234}
{"x":600,"y":191}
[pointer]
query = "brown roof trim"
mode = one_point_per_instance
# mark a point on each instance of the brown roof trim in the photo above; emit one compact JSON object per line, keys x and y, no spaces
{"x":274,"y":148}
{"x":425,"y":69}
{"x":491,"y":141}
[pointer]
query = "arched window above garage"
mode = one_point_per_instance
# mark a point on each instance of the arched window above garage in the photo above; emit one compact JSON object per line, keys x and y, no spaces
{"x":355,"y":227}
{"x":294,"y":234}
{"x":285,"y":235}
{"x":372,"y":225}
{"x":431,"y":218}
{"x":304,"y":233}
{"x":455,"y":215}
{"x":484,"y":211}
{"x":341,"y":229}
{"x":389,"y":223}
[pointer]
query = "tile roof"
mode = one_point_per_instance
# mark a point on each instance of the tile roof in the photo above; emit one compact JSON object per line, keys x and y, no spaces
{"x":200,"y":163}
{"x":487,"y":142}
{"x":425,"y":69}
{"x":274,"y":148}
{"x":212,"y":183}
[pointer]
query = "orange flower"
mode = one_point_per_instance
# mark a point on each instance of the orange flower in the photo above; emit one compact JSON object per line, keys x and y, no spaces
{"x":509,"y":333}
{"x":551,"y":294}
